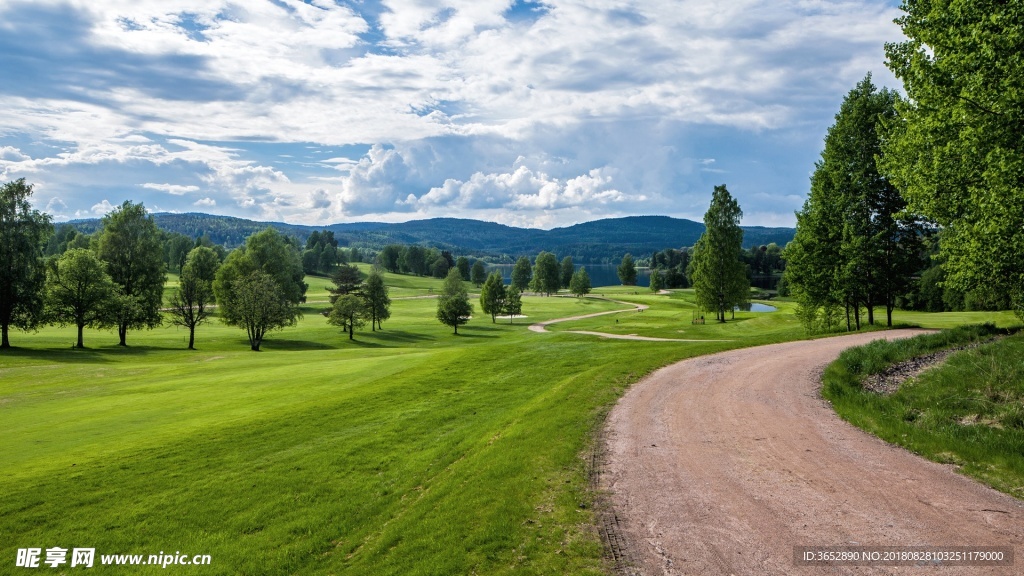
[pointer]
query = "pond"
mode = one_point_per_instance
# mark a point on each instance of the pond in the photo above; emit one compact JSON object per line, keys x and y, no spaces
{"x":757,"y":307}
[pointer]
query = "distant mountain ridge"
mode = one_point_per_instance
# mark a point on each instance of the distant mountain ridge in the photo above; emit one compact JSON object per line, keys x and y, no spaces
{"x":600,"y":240}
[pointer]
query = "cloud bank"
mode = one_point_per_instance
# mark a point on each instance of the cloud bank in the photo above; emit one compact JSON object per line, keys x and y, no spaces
{"x":539,"y":114}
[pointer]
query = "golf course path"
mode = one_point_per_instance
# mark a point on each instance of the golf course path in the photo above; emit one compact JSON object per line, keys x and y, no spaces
{"x":540,"y":326}
{"x":722,"y":464}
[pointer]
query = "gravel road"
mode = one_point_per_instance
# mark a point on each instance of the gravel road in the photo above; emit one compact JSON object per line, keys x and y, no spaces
{"x":722,"y":464}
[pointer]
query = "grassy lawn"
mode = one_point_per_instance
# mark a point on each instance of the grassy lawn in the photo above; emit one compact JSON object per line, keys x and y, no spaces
{"x":671,"y":316}
{"x":408,"y":451}
{"x":968,"y":412}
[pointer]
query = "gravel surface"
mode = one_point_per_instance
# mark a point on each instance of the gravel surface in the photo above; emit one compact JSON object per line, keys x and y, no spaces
{"x":889,"y":380}
{"x":722,"y":464}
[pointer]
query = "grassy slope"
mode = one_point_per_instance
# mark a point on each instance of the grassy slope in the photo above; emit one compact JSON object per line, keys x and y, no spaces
{"x":968,"y":411}
{"x":408,"y":451}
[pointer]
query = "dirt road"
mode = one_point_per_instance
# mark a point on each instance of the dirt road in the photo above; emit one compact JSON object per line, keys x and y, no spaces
{"x":722,"y":464}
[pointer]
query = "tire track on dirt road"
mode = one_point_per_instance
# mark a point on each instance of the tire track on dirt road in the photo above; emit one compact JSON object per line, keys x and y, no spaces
{"x":722,"y":464}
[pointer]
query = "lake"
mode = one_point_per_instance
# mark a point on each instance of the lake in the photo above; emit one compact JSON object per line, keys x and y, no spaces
{"x":608,"y":275}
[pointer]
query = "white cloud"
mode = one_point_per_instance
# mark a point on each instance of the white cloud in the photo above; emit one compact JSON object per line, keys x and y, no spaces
{"x":175,"y":189}
{"x":525,"y":189}
{"x":56,"y":206}
{"x":205,"y":202}
{"x":102,"y":208}
{"x":12,"y":154}
{"x":374,"y":184}
{"x":144,"y":91}
{"x":319,"y":199}
{"x":301,"y":72}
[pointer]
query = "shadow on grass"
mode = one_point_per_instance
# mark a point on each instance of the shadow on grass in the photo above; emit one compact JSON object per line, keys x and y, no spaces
{"x":280,"y":345}
{"x":87,"y":354}
{"x":473,"y":332}
{"x":387,"y":339}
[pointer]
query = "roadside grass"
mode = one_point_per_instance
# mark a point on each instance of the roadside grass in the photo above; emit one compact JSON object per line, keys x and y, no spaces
{"x":966,"y":412}
{"x":942,"y":320}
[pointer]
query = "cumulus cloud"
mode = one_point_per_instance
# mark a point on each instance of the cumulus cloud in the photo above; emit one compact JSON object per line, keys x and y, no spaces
{"x":375,"y":184}
{"x":320,"y":199}
{"x":205,"y":202}
{"x":142,"y":92}
{"x":12,"y":154}
{"x":525,"y":189}
{"x":175,"y":189}
{"x":102,"y":208}
{"x":56,"y":206}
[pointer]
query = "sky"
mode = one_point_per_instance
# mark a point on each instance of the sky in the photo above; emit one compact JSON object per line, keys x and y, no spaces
{"x":530,"y":114}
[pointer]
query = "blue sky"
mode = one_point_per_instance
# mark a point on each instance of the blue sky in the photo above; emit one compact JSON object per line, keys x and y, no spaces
{"x":537,"y":114}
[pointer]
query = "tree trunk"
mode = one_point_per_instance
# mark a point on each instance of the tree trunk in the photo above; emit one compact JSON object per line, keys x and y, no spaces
{"x":847,"y":315}
{"x":80,"y":343}
{"x":191,"y":337}
{"x":122,"y":333}
{"x":856,"y":314}
{"x":5,"y":343}
{"x":456,"y":327}
{"x":351,"y":330}
{"x":888,"y":315}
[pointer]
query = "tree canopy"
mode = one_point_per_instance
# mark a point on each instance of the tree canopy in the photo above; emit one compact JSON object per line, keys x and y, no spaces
{"x":492,"y":296}
{"x":513,"y":303}
{"x":347,"y":279}
{"x":24,"y":233}
{"x":522,"y":274}
{"x":627,"y":271}
{"x":462,"y":263}
{"x":258,"y":305}
{"x":191,"y":305}
{"x":78,"y":290}
{"x":546,"y":274}
{"x":378,"y":303}
{"x":566,"y":268}
{"x":579,"y":283}
{"x":856,"y":246}
{"x":718,"y":273}
{"x":130,"y":245}
{"x":270,"y":254}
{"x":453,"y":305}
{"x":348,"y":311}
{"x":957,"y":149}
{"x":479,"y":273}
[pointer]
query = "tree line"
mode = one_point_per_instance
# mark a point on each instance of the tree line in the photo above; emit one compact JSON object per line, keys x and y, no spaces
{"x":917,"y":201}
{"x":670,"y":268}
{"x":115,"y":277}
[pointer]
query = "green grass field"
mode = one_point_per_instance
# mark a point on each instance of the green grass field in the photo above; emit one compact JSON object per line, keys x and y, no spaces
{"x":407,"y":451}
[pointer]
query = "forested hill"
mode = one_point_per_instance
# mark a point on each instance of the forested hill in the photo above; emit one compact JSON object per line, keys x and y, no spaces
{"x":586,"y":242}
